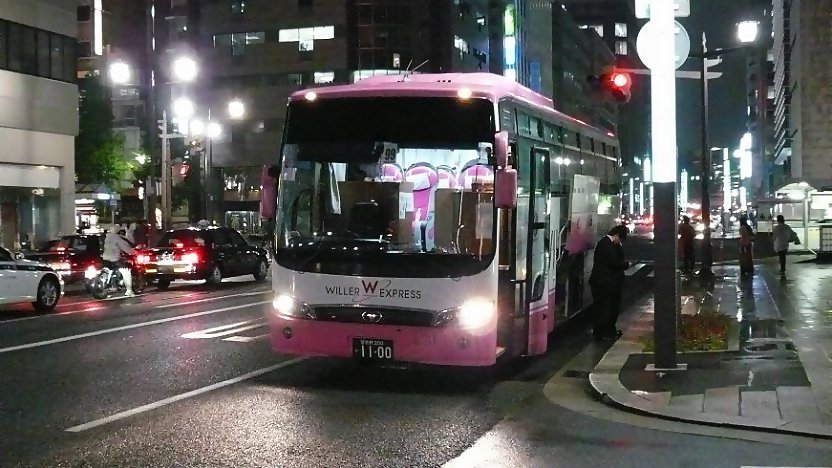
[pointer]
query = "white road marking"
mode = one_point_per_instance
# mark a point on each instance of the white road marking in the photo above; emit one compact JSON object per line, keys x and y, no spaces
{"x":127,"y":327}
{"x":143,"y":303}
{"x":182,"y":396}
{"x":211,"y":299}
{"x":246,"y":339}
{"x":225,"y":330}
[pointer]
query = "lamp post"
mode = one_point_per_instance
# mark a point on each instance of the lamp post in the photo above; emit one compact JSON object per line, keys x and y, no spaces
{"x":746,"y":34}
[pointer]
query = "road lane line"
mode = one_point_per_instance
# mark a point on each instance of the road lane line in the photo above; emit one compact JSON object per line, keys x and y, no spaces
{"x":224,"y":330}
{"x":127,"y":327}
{"x":246,"y":339}
{"x":211,"y":299}
{"x":182,"y":396}
{"x":136,"y":304}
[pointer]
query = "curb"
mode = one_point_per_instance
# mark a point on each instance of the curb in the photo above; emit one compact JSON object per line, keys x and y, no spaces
{"x":606,"y":386}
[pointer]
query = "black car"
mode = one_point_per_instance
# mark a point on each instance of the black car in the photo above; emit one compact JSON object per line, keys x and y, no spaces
{"x":210,"y":254}
{"x":71,"y":256}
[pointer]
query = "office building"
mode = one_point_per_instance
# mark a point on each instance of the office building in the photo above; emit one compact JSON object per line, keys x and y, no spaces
{"x":616,"y":24}
{"x":802,"y":91}
{"x":112,"y":31}
{"x":257,"y":53}
{"x":578,"y":53}
{"x":38,"y":119}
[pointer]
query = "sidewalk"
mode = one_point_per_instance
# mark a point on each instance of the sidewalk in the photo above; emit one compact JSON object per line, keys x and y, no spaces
{"x":776,"y":375}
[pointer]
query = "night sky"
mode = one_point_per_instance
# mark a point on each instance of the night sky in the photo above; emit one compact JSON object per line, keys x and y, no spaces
{"x":727,"y":94}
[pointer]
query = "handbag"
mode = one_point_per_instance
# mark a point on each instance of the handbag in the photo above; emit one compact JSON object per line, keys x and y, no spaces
{"x":794,"y":239}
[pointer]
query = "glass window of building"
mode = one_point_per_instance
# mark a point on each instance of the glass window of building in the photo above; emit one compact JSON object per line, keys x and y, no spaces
{"x":621,"y":47}
{"x":620,"y":29}
{"x":295,"y":79}
{"x":324,"y":77}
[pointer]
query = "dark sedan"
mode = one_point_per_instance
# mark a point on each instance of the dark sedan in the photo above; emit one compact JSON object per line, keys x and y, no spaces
{"x":209,"y":254}
{"x":71,"y":256}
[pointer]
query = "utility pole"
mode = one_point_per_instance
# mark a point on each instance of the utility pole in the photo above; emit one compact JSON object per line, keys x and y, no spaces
{"x":707,"y":251}
{"x":165,"y":190}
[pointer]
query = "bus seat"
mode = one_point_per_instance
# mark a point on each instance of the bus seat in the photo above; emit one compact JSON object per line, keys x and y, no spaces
{"x":447,"y":177}
{"x":475,"y":173}
{"x":391,"y":172}
{"x":425,"y":180}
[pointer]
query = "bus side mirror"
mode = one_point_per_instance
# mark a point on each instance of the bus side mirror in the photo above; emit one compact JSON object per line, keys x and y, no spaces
{"x":501,"y":149}
{"x":505,"y":186}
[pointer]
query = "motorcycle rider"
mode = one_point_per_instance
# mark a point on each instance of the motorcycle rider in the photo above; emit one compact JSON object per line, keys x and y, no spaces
{"x":114,"y":246}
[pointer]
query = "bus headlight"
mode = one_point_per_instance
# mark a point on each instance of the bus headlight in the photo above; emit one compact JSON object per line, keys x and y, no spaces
{"x":287,"y":306}
{"x":474,"y":313}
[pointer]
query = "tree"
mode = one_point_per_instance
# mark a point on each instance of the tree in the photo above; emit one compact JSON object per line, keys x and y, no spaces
{"x":99,"y":153}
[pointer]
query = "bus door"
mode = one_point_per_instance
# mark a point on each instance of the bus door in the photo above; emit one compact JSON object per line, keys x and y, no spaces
{"x":533,"y":247}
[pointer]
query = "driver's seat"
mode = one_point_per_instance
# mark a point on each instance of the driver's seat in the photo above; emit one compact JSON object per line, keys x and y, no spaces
{"x":367,"y":220}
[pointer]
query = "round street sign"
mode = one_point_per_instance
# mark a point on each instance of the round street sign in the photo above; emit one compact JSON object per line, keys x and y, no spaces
{"x":647,"y":37}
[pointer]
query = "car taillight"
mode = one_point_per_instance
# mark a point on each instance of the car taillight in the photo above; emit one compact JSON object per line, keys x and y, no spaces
{"x":142,"y":259}
{"x":91,"y":272}
{"x":190,"y":257}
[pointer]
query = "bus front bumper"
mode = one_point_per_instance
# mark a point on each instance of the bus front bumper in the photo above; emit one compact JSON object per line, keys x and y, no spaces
{"x":447,"y":346}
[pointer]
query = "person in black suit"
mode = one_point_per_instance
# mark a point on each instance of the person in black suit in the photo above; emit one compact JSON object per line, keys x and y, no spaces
{"x":606,"y":281}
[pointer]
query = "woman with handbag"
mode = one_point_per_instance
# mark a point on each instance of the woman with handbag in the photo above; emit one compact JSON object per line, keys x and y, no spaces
{"x":781,"y":236}
{"x":746,"y":247}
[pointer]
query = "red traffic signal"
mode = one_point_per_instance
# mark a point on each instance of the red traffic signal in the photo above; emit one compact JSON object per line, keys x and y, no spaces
{"x":183,"y":170}
{"x":620,"y":80}
{"x":618,"y":85}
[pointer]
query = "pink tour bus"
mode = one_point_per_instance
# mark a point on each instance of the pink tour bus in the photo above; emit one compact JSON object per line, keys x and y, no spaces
{"x":425,"y":219}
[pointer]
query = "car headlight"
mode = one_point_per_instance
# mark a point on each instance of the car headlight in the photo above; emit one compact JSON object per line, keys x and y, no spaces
{"x":286,"y":306}
{"x":473,"y":313}
{"x":91,"y":272}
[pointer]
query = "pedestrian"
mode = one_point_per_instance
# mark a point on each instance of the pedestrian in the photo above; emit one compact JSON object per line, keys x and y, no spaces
{"x":686,"y":236}
{"x":781,"y":236}
{"x":606,"y":282}
{"x":131,"y":233}
{"x":746,"y":247}
{"x":140,"y":233}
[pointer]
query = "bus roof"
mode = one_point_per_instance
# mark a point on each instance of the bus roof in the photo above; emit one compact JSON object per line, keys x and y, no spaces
{"x":489,"y":85}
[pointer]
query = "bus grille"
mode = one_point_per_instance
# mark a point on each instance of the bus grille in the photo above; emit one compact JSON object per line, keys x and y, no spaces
{"x":375,"y":315}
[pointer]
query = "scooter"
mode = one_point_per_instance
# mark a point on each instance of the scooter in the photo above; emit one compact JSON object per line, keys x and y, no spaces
{"x":110,"y":282}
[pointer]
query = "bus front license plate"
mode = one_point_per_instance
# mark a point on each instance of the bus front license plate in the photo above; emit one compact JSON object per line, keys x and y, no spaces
{"x":372,"y":349}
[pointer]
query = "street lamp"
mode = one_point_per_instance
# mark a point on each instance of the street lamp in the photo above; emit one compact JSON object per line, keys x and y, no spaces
{"x":236,"y":109}
{"x":214,"y":130}
{"x":196,"y":127}
{"x":747,"y":31}
{"x":183,"y":108}
{"x":746,"y":34}
{"x":119,"y":73}
{"x":184,"y":69}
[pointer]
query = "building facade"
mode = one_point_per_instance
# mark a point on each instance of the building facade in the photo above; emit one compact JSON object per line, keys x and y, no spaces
{"x":258,"y":52}
{"x":616,"y":24}
{"x":112,"y":31}
{"x":38,"y":119}
{"x":803,"y":91}
{"x":577,"y":53}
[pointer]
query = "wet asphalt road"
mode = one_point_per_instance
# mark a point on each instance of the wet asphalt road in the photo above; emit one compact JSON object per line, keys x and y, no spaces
{"x":186,"y":378}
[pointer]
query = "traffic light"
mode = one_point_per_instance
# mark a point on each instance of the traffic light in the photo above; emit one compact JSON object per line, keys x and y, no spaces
{"x":617,"y":84}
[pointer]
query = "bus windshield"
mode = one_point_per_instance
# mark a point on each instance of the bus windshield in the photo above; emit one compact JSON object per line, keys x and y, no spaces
{"x":400,"y":187}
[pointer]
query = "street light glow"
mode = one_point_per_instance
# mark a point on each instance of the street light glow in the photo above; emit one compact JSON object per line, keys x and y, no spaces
{"x":236,"y":109}
{"x":747,"y":31}
{"x":197,"y":127}
{"x":119,"y":73}
{"x":184,"y":69}
{"x":214,"y":130}
{"x":183,"y":108}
